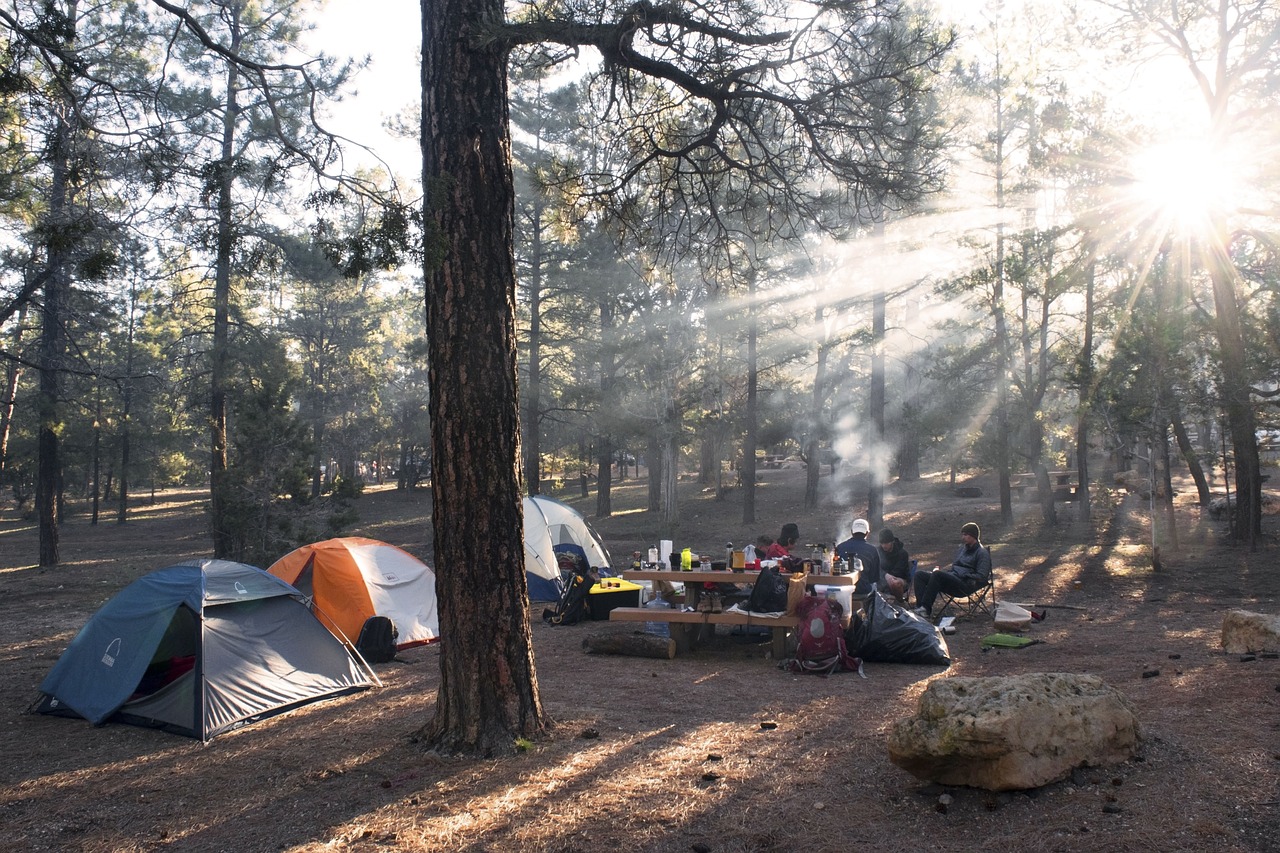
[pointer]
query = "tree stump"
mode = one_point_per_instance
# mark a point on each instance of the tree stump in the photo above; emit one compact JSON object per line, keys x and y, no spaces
{"x":634,"y":645}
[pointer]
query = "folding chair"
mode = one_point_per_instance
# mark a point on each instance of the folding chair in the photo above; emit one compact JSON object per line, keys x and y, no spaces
{"x":981,"y":600}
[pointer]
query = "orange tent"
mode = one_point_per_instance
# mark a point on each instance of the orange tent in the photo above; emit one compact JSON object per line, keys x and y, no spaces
{"x":352,"y":578}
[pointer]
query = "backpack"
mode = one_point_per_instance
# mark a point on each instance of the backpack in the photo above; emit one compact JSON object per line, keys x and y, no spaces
{"x":821,"y":647}
{"x":573,"y":606}
{"x":377,"y":642}
{"x":769,"y":594}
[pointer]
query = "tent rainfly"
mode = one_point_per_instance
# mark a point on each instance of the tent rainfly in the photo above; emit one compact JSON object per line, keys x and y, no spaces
{"x":352,"y":578}
{"x":199,"y":649}
{"x":551,"y":528}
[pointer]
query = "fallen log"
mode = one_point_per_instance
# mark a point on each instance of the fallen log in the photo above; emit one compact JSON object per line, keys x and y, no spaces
{"x":635,"y":645}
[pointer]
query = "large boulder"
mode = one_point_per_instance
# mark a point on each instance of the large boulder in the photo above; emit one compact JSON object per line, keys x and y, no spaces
{"x":1015,"y":732}
{"x":1243,"y":631}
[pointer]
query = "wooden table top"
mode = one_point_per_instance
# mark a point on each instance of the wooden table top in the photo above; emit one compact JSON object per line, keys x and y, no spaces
{"x":700,"y":576}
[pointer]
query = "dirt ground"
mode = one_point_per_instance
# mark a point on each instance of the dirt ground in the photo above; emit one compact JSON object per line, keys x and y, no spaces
{"x":670,"y":755}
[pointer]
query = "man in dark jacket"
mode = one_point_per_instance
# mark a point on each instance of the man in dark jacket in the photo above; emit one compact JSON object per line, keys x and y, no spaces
{"x":969,"y":572}
{"x":857,"y":547}
{"x":895,"y":566}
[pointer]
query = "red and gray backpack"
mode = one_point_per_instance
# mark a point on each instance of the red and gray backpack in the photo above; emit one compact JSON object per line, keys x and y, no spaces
{"x":821,"y":648}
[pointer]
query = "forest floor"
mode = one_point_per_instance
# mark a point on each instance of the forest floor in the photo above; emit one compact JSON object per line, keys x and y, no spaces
{"x":670,"y":755}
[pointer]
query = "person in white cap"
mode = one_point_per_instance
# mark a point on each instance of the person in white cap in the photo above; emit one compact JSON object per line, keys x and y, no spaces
{"x":857,"y":547}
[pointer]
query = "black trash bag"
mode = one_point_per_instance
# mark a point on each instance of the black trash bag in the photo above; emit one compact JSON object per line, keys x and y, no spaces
{"x":769,"y":595}
{"x":891,"y":634}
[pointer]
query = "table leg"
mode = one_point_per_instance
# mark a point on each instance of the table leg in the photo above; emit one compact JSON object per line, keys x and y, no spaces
{"x":683,"y":636}
{"x":779,"y":643}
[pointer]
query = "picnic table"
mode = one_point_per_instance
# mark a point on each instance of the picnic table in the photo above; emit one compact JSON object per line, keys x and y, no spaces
{"x":1064,"y":484}
{"x":687,"y":625}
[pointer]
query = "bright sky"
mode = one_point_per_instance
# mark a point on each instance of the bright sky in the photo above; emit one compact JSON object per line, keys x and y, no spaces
{"x":389,"y":32}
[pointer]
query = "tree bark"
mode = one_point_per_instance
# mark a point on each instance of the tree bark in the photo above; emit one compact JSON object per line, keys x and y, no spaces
{"x":488,"y":695}
{"x":532,"y":392}
{"x":13,"y":373}
{"x":1085,"y":401}
{"x":224,"y":539}
{"x":877,"y":459}
{"x":1188,"y":451}
{"x":633,"y":645}
{"x":813,"y":461}
{"x":751,"y":414}
{"x":608,"y":378}
{"x":1235,"y":393}
{"x":53,"y":343}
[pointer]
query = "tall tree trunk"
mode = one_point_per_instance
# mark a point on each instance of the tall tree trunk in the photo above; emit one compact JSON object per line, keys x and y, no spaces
{"x":126,"y":412}
{"x":1188,"y":451}
{"x":224,"y":539}
{"x":488,"y":695}
{"x":1085,"y":401}
{"x":670,"y":435}
{"x":751,"y":414}
{"x":53,"y":340}
{"x":608,"y":380}
{"x":812,"y":454}
{"x":97,"y":465}
{"x":1003,"y":438}
{"x":878,"y":458}
{"x":1236,"y":400}
{"x":13,"y":373}
{"x":531,"y":394}
{"x":1162,"y":481}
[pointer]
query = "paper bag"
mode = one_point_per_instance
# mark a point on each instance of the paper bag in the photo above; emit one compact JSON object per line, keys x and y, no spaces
{"x":796,"y":589}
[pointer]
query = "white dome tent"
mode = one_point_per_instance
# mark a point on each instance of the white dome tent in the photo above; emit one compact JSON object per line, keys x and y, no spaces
{"x":552,"y":528}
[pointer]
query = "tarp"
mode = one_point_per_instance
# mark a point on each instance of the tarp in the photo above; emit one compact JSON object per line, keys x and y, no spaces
{"x":352,"y":578}
{"x":200,"y":648}
{"x":549,"y":528}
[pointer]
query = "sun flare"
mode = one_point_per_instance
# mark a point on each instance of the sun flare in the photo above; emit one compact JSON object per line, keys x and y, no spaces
{"x":1183,"y":183}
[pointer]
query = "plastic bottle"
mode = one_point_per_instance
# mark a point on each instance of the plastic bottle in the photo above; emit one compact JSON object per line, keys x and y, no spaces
{"x":653,"y":554}
{"x":828,"y":561}
{"x":686,"y":560}
{"x":749,"y":553}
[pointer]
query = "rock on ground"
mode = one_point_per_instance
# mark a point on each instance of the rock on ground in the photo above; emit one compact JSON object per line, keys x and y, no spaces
{"x":1243,"y":631}
{"x":1014,"y":732}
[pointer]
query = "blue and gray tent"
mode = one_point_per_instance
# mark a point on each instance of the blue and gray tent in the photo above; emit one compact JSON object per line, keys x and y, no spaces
{"x":200,"y":648}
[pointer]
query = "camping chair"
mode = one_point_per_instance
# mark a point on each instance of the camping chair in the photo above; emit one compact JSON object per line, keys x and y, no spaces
{"x":981,"y":600}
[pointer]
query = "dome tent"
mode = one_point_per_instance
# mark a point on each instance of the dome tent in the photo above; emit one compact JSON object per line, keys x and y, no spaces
{"x":552,"y":528}
{"x":200,"y":648}
{"x":352,"y":578}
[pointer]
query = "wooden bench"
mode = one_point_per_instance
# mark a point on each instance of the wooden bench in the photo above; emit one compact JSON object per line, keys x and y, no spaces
{"x":686,"y":625}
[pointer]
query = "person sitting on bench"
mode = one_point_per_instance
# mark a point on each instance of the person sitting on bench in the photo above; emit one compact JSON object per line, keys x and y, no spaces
{"x":969,"y":572}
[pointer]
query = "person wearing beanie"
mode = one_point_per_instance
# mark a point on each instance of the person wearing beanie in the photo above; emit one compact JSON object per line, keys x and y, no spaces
{"x":969,"y":572}
{"x":895,"y":565}
{"x":856,"y":547}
